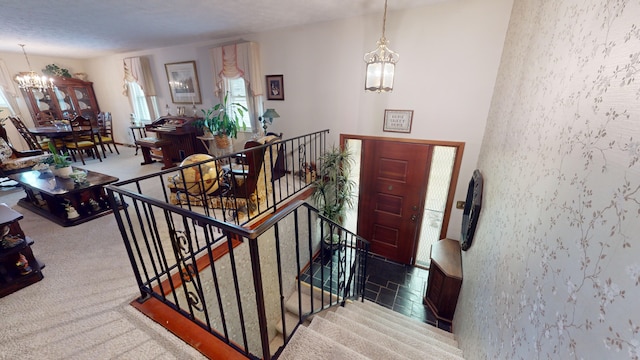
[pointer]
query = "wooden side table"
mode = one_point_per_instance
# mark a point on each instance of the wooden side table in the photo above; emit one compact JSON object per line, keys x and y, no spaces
{"x":445,"y":279}
{"x":18,"y":267}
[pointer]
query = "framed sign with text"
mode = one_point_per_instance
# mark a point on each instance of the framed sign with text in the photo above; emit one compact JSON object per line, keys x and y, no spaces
{"x":397,"y":120}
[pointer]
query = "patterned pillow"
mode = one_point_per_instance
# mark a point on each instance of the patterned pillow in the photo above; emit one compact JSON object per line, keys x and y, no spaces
{"x":5,"y":150}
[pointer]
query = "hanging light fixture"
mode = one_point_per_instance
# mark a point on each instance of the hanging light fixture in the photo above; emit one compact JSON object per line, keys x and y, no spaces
{"x":31,"y":80}
{"x":381,"y":63}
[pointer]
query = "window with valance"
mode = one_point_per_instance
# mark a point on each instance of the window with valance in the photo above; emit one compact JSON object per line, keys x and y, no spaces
{"x":140,"y":88}
{"x":236,"y":67}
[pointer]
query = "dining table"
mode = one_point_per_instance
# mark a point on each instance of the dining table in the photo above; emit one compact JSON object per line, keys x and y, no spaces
{"x":65,"y":131}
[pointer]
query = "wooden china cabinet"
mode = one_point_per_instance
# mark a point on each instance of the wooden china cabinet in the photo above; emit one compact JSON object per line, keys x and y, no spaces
{"x":69,"y":97}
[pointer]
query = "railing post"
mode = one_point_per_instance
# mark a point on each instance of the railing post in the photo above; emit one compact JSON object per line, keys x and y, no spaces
{"x":136,"y":273}
{"x":257,"y":284}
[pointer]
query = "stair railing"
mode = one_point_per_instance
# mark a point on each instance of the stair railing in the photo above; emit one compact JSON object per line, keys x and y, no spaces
{"x":230,"y":280}
{"x":286,"y":168}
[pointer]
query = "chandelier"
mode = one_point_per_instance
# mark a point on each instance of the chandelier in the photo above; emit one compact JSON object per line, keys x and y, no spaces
{"x":381,"y":63}
{"x":31,"y":80}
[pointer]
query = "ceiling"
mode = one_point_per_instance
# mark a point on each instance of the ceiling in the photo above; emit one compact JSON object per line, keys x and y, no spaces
{"x":90,"y":28}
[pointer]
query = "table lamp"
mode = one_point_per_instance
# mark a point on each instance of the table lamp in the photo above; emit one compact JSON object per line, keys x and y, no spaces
{"x":270,"y":114}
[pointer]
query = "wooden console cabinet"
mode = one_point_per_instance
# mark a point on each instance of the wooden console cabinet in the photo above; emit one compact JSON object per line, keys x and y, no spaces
{"x":18,"y":267}
{"x":445,"y":279}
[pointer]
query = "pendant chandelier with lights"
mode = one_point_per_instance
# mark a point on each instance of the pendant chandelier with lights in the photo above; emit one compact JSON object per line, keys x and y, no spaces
{"x":31,"y":80}
{"x":381,"y":63}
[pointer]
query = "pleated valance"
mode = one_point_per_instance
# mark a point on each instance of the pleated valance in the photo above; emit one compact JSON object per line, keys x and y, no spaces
{"x":237,"y":60}
{"x":137,"y":69}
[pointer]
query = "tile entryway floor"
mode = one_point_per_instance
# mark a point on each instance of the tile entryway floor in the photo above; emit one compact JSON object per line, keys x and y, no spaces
{"x":401,"y":288}
{"x":395,"y":286}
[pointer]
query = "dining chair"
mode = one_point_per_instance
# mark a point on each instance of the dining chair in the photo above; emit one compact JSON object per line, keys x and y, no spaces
{"x":82,"y":139}
{"x":106,"y":132}
{"x":32,"y":141}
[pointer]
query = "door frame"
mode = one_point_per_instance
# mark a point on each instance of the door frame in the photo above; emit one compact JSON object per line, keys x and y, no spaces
{"x":454,"y":174}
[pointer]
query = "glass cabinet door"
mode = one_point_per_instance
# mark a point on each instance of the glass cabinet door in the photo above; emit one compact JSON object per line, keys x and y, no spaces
{"x":43,"y":100}
{"x":65,"y":103}
{"x":83,"y":98}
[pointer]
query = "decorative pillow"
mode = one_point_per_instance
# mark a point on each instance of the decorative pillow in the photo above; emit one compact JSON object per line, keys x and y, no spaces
{"x":5,"y":150}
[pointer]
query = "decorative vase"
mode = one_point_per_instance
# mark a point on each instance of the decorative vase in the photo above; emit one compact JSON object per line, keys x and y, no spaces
{"x":63,"y":172}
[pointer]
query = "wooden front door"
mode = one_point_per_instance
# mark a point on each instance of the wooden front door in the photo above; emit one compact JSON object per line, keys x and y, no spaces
{"x":393,"y":184}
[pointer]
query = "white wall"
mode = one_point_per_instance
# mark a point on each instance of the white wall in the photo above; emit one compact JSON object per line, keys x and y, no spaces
{"x":449,"y":56}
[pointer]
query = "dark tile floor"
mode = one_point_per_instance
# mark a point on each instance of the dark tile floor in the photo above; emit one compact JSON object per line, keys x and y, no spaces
{"x":395,"y":286}
{"x":400,"y":288}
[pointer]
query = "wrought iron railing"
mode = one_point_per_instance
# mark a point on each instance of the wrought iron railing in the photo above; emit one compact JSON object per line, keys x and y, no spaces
{"x":184,"y":234}
{"x":230,"y":280}
{"x":242,"y":186}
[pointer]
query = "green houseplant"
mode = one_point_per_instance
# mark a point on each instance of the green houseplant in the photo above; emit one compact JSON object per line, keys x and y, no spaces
{"x":61,"y":162}
{"x":223,"y":120}
{"x":334,"y":191}
{"x":55,"y":70}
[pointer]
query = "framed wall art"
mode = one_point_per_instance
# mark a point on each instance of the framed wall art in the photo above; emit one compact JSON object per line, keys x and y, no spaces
{"x":183,"y":82}
{"x":275,"y":87}
{"x":397,"y":120}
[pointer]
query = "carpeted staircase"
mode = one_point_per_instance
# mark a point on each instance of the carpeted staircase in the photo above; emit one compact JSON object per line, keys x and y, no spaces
{"x":365,"y":330}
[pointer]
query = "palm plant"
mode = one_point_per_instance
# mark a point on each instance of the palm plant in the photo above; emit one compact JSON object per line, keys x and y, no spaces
{"x":334,"y":191}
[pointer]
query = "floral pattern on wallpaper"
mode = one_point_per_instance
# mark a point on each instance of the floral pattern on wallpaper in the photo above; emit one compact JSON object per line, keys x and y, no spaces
{"x":554,"y":270}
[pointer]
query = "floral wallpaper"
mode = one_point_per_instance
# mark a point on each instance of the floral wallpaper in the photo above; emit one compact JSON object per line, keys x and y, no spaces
{"x":554,"y":268}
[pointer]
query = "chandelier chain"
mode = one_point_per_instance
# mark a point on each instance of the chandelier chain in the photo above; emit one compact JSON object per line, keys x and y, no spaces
{"x":25,"y":56}
{"x":384,"y":19}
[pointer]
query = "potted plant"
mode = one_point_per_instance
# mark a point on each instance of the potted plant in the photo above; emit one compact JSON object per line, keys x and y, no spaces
{"x":223,"y":120}
{"x":60,"y":162}
{"x":334,"y":191}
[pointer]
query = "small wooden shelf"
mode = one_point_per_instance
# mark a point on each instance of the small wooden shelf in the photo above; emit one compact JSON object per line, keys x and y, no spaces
{"x":12,"y":276}
{"x":445,"y":279}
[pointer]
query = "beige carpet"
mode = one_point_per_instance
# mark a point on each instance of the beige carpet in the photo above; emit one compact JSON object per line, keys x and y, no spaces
{"x":80,"y":310}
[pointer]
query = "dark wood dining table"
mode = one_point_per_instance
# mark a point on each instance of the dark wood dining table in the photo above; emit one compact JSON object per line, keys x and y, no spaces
{"x":59,"y":132}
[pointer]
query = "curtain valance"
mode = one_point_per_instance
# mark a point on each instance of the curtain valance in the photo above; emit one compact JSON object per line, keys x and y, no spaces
{"x":237,"y":60}
{"x":137,"y":69}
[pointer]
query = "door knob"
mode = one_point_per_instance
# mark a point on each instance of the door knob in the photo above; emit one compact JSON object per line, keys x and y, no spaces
{"x":413,"y":218}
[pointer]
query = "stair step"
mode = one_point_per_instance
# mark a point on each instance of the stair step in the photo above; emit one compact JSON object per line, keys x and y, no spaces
{"x":275,"y":344}
{"x":402,"y":320}
{"x":291,"y":320}
{"x":423,"y":341}
{"x":318,"y":293}
{"x":292,"y":304}
{"x":390,"y":314}
{"x":366,"y":341}
{"x":310,"y":345}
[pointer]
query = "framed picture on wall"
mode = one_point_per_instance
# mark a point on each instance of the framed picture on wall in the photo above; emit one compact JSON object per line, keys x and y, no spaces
{"x":397,"y":120}
{"x":275,"y":87}
{"x":183,"y":82}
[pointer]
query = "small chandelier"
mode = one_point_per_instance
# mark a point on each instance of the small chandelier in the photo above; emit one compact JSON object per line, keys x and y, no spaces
{"x":381,"y":63}
{"x":31,"y":80}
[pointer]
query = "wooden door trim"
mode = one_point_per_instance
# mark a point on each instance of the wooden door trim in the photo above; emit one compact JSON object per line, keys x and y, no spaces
{"x":459,"y":145}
